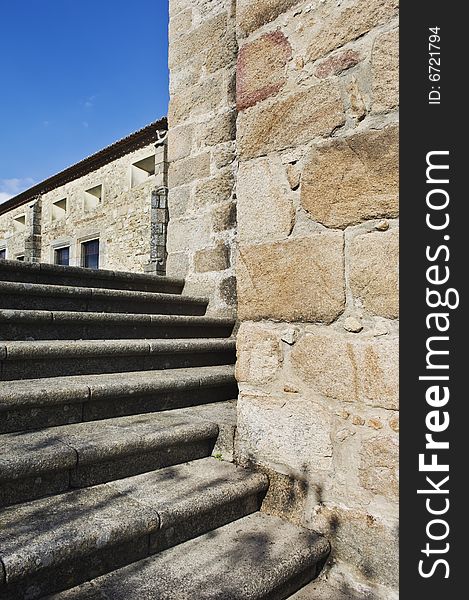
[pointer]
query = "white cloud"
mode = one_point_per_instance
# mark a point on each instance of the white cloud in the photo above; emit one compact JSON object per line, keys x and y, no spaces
{"x":14,"y":186}
{"x":89,"y":102}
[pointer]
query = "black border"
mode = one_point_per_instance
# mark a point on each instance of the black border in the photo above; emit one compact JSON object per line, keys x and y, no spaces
{"x":425,"y":128}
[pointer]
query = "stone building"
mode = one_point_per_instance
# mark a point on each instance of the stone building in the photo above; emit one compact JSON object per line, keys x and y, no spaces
{"x":107,"y":211}
{"x":282,"y":171}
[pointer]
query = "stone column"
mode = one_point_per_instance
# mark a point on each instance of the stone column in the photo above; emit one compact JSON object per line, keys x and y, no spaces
{"x":159,"y":211}
{"x":201,"y":149}
{"x":159,"y":224}
{"x":32,"y":237}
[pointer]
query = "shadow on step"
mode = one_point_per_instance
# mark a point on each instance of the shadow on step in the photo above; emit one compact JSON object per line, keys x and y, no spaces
{"x":59,"y":542}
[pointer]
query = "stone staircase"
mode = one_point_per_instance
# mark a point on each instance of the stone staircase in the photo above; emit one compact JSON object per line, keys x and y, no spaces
{"x":117,"y":424}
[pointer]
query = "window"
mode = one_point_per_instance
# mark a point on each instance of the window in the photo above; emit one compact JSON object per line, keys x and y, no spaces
{"x":59,"y":209}
{"x":92,"y":198}
{"x":142,"y":170}
{"x":90,"y":254}
{"x":19,"y":223}
{"x":62,"y":256}
{"x":20,"y":257}
{"x":3,"y":253}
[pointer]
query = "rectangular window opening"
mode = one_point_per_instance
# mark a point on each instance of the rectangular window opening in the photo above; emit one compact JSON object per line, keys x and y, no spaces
{"x":19,"y":223}
{"x":59,"y":209}
{"x":93,"y":198}
{"x":62,"y":256}
{"x":142,"y":170}
{"x":90,"y":254}
{"x":3,"y":253}
{"x":20,"y":257}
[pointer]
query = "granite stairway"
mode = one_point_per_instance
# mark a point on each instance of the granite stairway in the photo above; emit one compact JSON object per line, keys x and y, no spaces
{"x":117,"y":424}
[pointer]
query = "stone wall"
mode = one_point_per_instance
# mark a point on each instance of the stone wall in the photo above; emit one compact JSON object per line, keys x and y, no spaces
{"x":313,"y":238}
{"x":123,"y":219}
{"x":20,"y":232}
{"x":201,"y":149}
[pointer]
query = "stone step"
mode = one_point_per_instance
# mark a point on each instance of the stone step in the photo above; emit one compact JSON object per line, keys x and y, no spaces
{"x":258,"y":557}
{"x":39,"y":463}
{"x":38,"y":403}
{"x":38,"y":296}
{"x":13,"y":270}
{"x":69,"y":325}
{"x":54,"y":543}
{"x":55,"y":358}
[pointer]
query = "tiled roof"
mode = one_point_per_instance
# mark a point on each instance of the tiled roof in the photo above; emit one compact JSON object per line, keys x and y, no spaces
{"x":134,"y":141}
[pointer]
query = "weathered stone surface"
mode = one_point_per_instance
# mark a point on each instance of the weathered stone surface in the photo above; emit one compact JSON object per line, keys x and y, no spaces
{"x":224,"y":217}
{"x":268,"y":430}
{"x":336,"y":27}
{"x":188,"y":234}
{"x":195,"y":41}
{"x":215,"y":190}
{"x":265,"y":210}
{"x":180,"y":142}
{"x":294,"y":175}
{"x":224,"y":155}
{"x":222,"y":50}
{"x":212,"y":259}
{"x":338,"y":584}
{"x":259,"y":354}
{"x":365,"y":370}
{"x":367,"y":544}
{"x":177,"y":6}
{"x":352,"y":179}
{"x":198,"y":99}
{"x":189,"y":169}
{"x":295,"y":280}
{"x":228,"y":290}
{"x":178,"y":201}
{"x":294,"y":120}
{"x":180,"y":24}
{"x":357,"y":105}
{"x":220,"y":129}
{"x":187,"y":76}
{"x":177,"y":264}
{"x":353,"y":325}
{"x":379,"y":466}
{"x":214,"y":40}
{"x":374,"y":272}
{"x":335,"y":64}
{"x":251,"y":15}
{"x":290,"y":335}
{"x":261,"y":69}
{"x":385,"y":71}
{"x":204,"y":567}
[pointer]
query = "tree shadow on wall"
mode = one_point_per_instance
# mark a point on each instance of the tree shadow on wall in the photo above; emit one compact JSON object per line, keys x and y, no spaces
{"x":292,"y":495}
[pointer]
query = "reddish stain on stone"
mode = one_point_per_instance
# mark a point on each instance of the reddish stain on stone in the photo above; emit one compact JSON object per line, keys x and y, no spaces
{"x":337,"y":63}
{"x":261,"y":69}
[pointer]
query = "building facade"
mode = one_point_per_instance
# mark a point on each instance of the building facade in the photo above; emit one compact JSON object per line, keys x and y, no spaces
{"x":108,"y":211}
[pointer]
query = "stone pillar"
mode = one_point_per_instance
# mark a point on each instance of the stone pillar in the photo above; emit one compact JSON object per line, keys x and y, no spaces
{"x":159,"y":224}
{"x":201,"y":149}
{"x":32,"y":237}
{"x":317,"y":263}
{"x":159,"y":211}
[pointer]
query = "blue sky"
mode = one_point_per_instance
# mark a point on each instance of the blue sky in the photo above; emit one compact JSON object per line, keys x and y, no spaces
{"x":75,"y":76}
